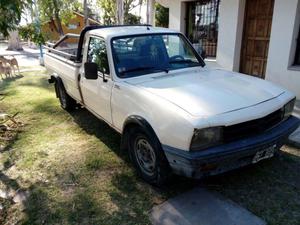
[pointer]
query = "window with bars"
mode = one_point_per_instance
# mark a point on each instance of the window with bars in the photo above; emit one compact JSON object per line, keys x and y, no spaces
{"x":202,"y":25}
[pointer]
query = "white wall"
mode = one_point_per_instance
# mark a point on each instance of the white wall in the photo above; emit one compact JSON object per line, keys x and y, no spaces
{"x":282,"y":46}
{"x":175,"y":15}
{"x":230,"y":33}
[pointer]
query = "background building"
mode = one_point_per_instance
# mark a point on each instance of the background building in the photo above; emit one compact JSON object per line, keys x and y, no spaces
{"x":256,"y":37}
{"x":75,"y":25}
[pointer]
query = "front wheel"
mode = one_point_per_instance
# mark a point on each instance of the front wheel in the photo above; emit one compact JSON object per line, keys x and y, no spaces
{"x":148,"y":157}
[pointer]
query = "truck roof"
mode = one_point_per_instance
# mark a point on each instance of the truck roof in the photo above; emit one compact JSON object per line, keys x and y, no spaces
{"x":111,"y":32}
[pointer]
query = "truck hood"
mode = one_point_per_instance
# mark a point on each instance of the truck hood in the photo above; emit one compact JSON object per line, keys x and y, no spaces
{"x":204,"y":92}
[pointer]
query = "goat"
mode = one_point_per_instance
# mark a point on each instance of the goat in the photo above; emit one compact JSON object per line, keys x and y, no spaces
{"x":12,"y":62}
{"x":6,"y":70}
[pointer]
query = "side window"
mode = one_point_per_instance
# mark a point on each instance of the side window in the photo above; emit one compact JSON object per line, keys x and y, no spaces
{"x":297,"y":54}
{"x":97,"y":54}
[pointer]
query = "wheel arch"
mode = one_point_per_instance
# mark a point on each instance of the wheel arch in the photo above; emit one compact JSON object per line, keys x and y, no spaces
{"x":57,"y":81}
{"x":133,"y":121}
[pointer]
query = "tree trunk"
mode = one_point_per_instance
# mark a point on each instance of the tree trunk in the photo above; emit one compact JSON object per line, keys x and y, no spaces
{"x":58,"y":23}
{"x":120,"y":12}
{"x":85,"y":8}
{"x":140,"y":9}
{"x":52,"y":22}
{"x":14,"y":41}
{"x":57,"y":18}
{"x":151,"y":12}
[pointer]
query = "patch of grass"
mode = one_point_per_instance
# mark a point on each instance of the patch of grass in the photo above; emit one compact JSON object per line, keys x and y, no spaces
{"x":95,"y":162}
{"x":72,"y":165}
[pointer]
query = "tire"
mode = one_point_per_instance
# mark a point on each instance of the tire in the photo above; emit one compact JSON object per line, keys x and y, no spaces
{"x":66,"y":102}
{"x":145,"y":146}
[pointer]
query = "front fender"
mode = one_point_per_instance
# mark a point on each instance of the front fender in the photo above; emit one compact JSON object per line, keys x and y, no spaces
{"x":136,"y":120}
{"x":172,"y":125}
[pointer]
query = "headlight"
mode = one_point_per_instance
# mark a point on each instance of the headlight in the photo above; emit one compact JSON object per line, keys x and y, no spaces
{"x":205,"y":138}
{"x":288,"y":108}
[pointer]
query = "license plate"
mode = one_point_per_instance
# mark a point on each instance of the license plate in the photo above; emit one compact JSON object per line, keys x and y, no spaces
{"x":264,"y":154}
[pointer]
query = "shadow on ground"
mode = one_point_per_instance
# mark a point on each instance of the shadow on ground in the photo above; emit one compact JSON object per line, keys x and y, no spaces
{"x":98,"y":128}
{"x":5,"y":81}
{"x":269,"y":189}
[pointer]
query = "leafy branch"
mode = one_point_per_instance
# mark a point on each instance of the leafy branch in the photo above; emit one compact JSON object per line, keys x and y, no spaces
{"x":29,"y":32}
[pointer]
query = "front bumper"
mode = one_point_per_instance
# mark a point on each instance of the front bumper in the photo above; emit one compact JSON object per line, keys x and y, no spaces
{"x":228,"y":156}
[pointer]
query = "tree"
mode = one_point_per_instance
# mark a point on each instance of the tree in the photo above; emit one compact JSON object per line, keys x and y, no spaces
{"x":161,"y":16}
{"x":109,"y":11}
{"x":57,"y":11}
{"x":130,"y":18}
{"x":29,"y":32}
{"x":14,"y":41}
{"x":10,"y":14}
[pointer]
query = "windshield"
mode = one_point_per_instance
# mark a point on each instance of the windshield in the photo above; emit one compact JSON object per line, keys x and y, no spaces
{"x":144,"y":54}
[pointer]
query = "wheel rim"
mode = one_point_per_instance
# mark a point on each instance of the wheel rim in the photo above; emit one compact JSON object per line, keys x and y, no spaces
{"x":145,"y":156}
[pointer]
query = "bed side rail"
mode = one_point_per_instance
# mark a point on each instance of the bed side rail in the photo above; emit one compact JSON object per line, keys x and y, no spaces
{"x":61,"y":53}
{"x":51,"y":47}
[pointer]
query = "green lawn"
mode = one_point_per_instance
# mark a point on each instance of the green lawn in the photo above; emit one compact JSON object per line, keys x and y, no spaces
{"x":75,"y":173}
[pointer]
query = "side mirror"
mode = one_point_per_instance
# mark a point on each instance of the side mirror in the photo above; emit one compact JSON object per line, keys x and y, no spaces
{"x":91,"y":71}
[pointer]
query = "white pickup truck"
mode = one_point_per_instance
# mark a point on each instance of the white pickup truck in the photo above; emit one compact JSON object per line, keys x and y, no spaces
{"x":174,"y":114}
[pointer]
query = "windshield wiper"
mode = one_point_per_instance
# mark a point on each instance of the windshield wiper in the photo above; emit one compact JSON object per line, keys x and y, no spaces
{"x":183,"y":61}
{"x":144,"y":68}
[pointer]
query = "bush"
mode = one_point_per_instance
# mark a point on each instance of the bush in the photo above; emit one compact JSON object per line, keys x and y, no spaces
{"x":161,"y":16}
{"x":132,"y":19}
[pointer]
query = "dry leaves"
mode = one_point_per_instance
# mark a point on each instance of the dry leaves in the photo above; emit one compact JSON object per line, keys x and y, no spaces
{"x":9,"y":126}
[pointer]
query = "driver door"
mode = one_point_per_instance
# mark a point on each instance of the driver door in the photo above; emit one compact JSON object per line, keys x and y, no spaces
{"x":97,"y":93}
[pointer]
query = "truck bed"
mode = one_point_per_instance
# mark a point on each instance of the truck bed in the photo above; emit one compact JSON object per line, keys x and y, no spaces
{"x":66,"y":47}
{"x":60,"y":59}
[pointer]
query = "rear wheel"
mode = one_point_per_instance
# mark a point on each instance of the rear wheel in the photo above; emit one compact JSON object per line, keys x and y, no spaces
{"x":148,"y":157}
{"x":66,"y":102}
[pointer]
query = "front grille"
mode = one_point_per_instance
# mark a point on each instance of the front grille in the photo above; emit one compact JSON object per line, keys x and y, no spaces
{"x":253,"y":127}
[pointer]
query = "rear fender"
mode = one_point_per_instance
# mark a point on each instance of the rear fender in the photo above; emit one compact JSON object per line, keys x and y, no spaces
{"x":56,"y":80}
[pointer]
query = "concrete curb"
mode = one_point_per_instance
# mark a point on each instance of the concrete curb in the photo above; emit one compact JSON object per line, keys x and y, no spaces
{"x":200,"y":206}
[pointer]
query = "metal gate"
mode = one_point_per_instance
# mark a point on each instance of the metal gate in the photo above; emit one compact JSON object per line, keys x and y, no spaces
{"x":202,"y":25}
